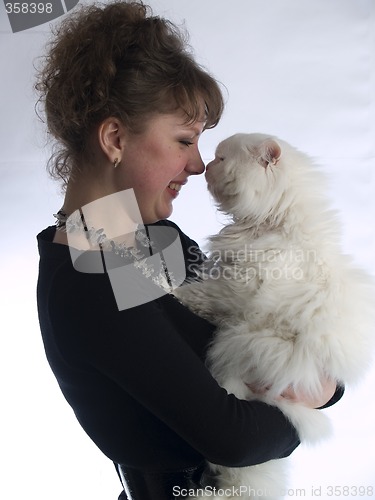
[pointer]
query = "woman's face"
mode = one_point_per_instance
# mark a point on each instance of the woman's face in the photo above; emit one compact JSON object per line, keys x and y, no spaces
{"x":158,"y":162}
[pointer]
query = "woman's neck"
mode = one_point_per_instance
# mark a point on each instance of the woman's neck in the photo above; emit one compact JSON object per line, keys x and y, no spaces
{"x":98,"y":207}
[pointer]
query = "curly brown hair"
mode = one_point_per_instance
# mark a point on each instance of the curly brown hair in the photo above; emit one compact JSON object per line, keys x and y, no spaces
{"x":117,"y":60}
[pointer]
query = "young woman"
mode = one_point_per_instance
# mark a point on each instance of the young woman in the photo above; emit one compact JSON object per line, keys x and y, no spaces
{"x":127,"y":104}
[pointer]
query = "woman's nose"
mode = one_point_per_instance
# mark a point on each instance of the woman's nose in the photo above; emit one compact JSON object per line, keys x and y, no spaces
{"x":195,"y":164}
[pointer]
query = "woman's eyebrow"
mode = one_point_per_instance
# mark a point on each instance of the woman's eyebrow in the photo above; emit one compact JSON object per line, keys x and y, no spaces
{"x":192,"y":130}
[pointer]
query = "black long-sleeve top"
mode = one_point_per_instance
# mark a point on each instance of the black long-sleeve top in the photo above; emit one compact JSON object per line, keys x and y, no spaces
{"x":136,"y":378}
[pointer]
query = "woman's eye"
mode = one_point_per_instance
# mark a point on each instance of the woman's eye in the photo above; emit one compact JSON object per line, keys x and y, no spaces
{"x":187,"y":143}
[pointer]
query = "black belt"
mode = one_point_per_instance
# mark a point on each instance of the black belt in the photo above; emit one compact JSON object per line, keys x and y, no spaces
{"x":139,"y":485}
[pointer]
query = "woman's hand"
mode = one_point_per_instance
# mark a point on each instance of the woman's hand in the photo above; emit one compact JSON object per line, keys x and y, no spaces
{"x":328,"y":390}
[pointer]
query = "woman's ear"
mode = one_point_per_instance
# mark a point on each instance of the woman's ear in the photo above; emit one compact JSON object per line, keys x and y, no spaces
{"x":111,"y":137}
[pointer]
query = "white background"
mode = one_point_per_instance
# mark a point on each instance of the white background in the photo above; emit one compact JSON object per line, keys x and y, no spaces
{"x":303,"y":70}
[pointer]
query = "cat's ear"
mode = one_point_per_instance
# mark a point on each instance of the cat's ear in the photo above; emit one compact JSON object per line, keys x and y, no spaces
{"x":269,"y":153}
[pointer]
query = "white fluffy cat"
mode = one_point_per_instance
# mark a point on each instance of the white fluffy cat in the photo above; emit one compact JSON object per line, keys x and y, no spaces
{"x":290,"y":308}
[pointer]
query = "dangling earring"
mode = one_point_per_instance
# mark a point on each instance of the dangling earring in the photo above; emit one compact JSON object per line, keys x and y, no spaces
{"x":116,"y":162}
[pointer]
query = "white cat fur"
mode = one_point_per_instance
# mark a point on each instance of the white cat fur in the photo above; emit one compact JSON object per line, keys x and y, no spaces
{"x":290,"y":308}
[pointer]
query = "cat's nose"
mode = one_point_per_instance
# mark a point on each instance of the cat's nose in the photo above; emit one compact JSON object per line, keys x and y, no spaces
{"x":208,"y":165}
{"x":212,"y":163}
